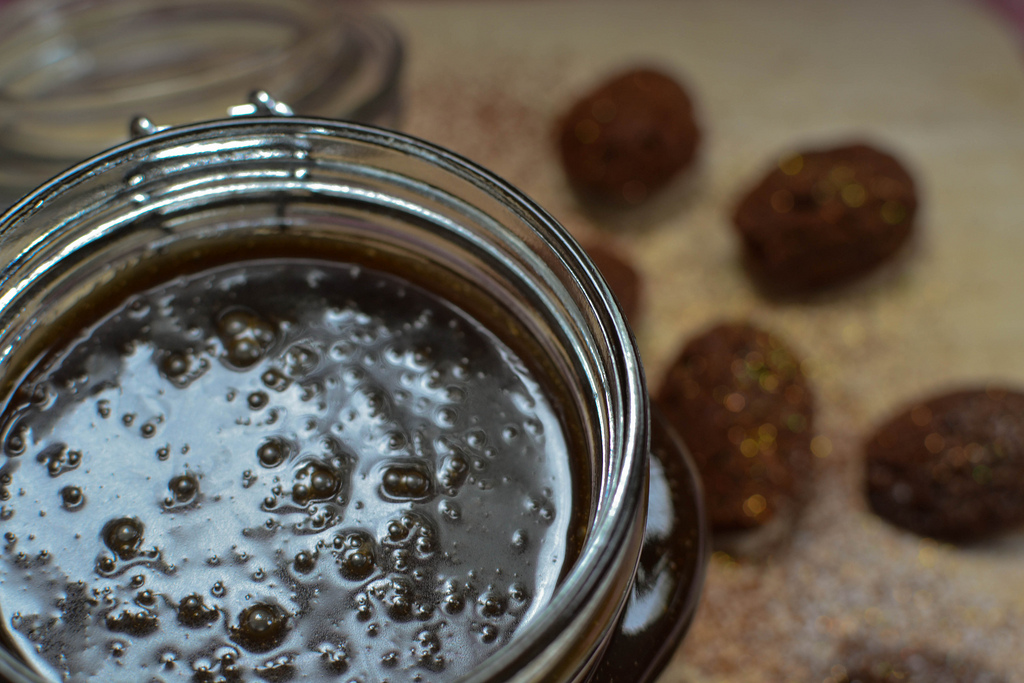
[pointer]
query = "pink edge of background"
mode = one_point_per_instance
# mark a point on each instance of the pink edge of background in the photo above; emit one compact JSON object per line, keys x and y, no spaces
{"x":1011,"y":12}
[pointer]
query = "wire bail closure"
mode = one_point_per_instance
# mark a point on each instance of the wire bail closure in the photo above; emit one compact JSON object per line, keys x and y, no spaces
{"x":260,"y":103}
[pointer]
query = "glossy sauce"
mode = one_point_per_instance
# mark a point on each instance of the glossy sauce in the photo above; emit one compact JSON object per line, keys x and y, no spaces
{"x":285,"y":469}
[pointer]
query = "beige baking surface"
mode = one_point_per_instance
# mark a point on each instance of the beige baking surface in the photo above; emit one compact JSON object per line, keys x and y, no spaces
{"x":939,"y":83}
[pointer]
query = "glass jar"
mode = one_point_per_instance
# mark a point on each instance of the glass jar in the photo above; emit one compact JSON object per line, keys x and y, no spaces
{"x":71,"y":72}
{"x":397,"y":202}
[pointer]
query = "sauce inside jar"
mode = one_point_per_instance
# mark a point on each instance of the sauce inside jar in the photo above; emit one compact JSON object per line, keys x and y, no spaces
{"x":281,"y":468}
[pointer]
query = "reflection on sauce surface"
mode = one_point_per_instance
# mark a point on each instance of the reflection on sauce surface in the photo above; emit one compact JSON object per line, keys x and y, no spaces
{"x":279,"y":469}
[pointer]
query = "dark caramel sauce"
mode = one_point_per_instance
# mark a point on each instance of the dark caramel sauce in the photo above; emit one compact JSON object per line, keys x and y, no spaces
{"x":280,"y":469}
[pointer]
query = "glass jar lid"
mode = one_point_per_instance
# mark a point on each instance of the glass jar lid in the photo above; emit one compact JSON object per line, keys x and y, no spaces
{"x":72,"y":73}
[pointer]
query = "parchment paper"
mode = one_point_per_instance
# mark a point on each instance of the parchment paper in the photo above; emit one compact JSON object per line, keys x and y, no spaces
{"x":940,"y":84}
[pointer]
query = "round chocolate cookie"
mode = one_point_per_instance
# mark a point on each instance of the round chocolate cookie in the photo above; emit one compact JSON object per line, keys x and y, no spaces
{"x":820,"y":218}
{"x":621,"y":276}
{"x":629,"y":137}
{"x":951,"y":467}
{"x":739,"y":400}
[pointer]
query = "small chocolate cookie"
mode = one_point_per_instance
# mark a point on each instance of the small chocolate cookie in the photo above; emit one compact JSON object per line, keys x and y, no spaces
{"x":820,"y":218}
{"x":739,"y":400}
{"x":620,"y":275}
{"x":861,"y":664}
{"x":628,"y":138}
{"x":951,"y":467}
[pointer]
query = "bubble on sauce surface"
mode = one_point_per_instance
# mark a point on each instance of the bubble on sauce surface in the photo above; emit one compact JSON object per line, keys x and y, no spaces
{"x":334,"y":658}
{"x":174,"y":365}
{"x":181,"y":368}
{"x":123,"y":536}
{"x":407,"y":575}
{"x":315,"y":482}
{"x":194,"y":613}
{"x":273,"y":451}
{"x":72,"y":497}
{"x":450,"y":511}
{"x":491,"y":604}
{"x":245,"y":335}
{"x":355,"y":553}
{"x":184,"y":490}
{"x":406,"y":481}
{"x":138,"y":623}
{"x":58,"y":459}
{"x":275,"y":379}
{"x":258,"y":400}
{"x":304,"y":561}
{"x":260,"y":627}
{"x":15,"y":439}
